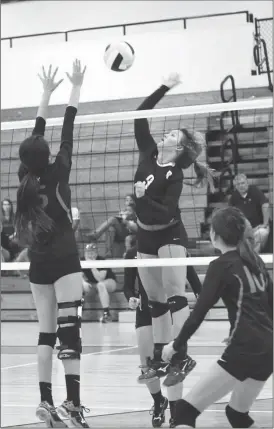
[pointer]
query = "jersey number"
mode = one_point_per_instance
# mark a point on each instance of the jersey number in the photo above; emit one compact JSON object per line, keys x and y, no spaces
{"x":255,"y":284}
{"x":149,"y":180}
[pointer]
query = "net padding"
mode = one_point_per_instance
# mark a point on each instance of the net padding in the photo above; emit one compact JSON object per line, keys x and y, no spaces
{"x":105,"y":158}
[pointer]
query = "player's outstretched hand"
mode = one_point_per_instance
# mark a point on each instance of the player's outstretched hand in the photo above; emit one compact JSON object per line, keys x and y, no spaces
{"x":172,"y":80}
{"x":133,"y":303}
{"x":77,"y":76}
{"x":168,"y":352}
{"x":47,"y":79}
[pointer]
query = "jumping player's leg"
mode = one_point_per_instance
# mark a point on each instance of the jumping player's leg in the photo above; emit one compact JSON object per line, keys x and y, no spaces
{"x":68,"y":291}
{"x":174,"y":281}
{"x":243,"y":396}
{"x":151,"y":278}
{"x":214,"y":385}
{"x":105,"y":287}
{"x":146,"y":350}
{"x":46,"y":307}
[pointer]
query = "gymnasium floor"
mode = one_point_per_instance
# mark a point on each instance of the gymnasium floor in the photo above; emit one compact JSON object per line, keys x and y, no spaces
{"x":109,"y":371}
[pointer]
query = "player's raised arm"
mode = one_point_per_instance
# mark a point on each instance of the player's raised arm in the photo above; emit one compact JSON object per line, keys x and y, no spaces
{"x":143,"y":137}
{"x":76,"y":79}
{"x":49,"y":85}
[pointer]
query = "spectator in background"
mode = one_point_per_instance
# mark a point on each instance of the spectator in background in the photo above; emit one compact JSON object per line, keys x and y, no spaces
{"x":119,"y":228}
{"x":75,"y":218}
{"x":8,"y":217}
{"x":255,"y":206}
{"x":104,"y":280}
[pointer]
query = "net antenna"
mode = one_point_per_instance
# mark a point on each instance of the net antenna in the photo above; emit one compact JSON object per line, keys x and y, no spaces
{"x":263,"y":49}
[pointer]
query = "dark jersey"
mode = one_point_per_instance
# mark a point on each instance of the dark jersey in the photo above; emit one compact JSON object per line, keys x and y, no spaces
{"x":89,"y":275}
{"x":160,"y":204}
{"x":248,"y":299}
{"x":133,"y":286}
{"x":56,"y":197}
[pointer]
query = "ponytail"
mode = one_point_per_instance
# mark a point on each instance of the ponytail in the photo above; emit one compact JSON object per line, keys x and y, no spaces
{"x":29,"y":210}
{"x":193,"y":146}
{"x":205,"y":176}
{"x":251,"y":258}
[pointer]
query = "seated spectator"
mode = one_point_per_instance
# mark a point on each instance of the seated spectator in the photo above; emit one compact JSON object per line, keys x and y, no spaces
{"x":255,"y":206}
{"x":104,"y":280}
{"x":75,"y":218}
{"x":8,"y":217}
{"x":119,"y":228}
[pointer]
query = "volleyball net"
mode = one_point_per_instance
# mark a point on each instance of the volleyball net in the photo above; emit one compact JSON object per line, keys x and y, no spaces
{"x":105,"y":157}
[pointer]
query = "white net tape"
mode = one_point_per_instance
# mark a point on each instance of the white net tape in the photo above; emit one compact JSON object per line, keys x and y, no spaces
{"x":256,"y":104}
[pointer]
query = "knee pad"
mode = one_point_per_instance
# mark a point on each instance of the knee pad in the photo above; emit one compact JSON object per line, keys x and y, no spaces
{"x":237,"y":419}
{"x":70,"y":336}
{"x":186,"y":414}
{"x":177,"y":303}
{"x":47,"y":339}
{"x":158,"y":309}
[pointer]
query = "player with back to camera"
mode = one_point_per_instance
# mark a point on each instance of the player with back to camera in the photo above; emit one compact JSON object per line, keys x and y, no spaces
{"x":44,"y":212}
{"x":137,"y":298}
{"x":240,"y":278}
{"x":158,"y":185}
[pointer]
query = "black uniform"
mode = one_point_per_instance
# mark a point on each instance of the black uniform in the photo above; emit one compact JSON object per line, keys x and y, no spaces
{"x":159,"y":205}
{"x":133,"y":288}
{"x":89,"y":275}
{"x":249,"y":302}
{"x":54,"y":254}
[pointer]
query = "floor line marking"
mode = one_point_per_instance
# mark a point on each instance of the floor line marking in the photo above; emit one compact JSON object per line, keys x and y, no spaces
{"x":84,"y":354}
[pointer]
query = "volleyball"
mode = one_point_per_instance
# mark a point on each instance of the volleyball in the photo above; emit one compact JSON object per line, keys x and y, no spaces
{"x":119,"y":57}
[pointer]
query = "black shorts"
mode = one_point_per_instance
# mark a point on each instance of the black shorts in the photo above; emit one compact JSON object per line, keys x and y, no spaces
{"x":243,"y":366}
{"x":143,"y":315}
{"x":150,"y":242}
{"x":48,"y":272}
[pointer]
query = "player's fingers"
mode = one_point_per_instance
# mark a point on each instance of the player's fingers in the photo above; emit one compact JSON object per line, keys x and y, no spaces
{"x":49,"y":72}
{"x":44,"y":72}
{"x":54,"y":74}
{"x":58,"y":83}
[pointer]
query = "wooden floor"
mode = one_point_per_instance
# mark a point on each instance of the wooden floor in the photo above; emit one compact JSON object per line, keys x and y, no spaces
{"x":109,"y":371}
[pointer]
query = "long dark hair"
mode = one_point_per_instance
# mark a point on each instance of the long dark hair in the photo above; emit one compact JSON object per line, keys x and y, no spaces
{"x":230,"y":224}
{"x":11,"y":213}
{"x":192,"y":145}
{"x":30,"y":216}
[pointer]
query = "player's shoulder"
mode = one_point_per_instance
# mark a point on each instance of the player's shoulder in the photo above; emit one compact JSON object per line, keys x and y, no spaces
{"x":222,"y":262}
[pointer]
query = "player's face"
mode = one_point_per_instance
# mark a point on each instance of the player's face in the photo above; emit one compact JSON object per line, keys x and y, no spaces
{"x":242,"y":185}
{"x":128,"y":200}
{"x":91,"y":254}
{"x":213,"y":237}
{"x":171,"y":141}
{"x":6,"y":206}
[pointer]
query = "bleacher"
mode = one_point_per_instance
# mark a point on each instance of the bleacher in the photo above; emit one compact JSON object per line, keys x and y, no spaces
{"x":99,"y":183}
